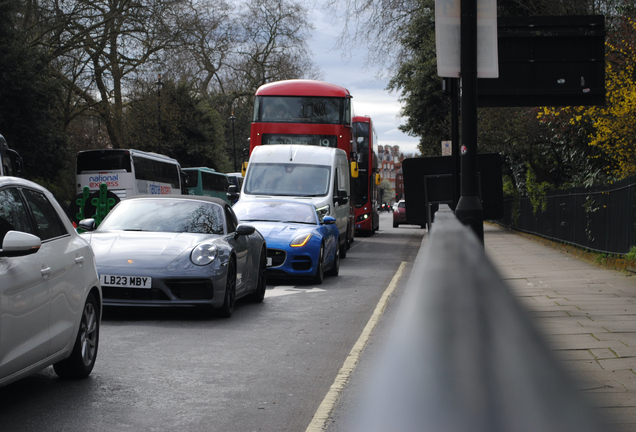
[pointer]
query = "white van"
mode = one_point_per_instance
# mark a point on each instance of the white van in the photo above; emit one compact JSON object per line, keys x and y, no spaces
{"x":319,"y":175}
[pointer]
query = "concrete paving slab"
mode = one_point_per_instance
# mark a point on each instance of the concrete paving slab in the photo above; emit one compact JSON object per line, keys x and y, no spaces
{"x":586,"y":313}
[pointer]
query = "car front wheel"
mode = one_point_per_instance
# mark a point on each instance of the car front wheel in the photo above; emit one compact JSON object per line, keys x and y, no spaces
{"x":261,"y":283}
{"x":82,"y":359}
{"x":318,"y":278}
{"x":335,"y":268}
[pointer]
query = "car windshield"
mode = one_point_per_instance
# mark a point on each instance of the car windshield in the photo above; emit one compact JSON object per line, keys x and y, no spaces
{"x":165,"y":215}
{"x":274,"y":211}
{"x":288,"y":180}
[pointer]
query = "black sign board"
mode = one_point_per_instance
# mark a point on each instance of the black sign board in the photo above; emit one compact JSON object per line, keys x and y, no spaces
{"x":547,"y":61}
{"x":429,"y":179}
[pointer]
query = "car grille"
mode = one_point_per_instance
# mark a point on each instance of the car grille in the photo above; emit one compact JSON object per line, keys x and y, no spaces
{"x":301,"y":262}
{"x":191,"y":289}
{"x":277,"y":256}
{"x":117,"y":293}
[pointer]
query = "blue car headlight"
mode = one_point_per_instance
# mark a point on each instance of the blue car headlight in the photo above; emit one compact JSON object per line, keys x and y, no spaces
{"x":204,"y":254}
{"x":301,"y":240}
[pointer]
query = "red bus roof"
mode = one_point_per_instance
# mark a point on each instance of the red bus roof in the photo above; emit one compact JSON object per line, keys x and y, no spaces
{"x":302,"y":88}
{"x":361,"y":119}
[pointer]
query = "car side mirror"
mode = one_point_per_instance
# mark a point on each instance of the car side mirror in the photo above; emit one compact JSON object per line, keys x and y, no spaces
{"x":329,"y":220}
{"x":18,"y":243}
{"x":232,"y":193}
{"x":87,"y":224}
{"x":244,"y":230}
{"x":342,"y":197}
{"x":354,"y":169}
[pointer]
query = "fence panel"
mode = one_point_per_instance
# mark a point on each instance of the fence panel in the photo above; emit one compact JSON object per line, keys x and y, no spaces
{"x":601,"y":218}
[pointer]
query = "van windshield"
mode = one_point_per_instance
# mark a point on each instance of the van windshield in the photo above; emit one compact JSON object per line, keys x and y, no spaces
{"x":288,"y":180}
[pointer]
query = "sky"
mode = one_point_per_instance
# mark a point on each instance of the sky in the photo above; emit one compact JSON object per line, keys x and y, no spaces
{"x":369,"y":96}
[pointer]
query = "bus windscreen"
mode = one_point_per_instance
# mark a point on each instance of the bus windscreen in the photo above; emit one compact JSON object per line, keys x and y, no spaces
{"x":360,"y":184}
{"x":300,"y":109}
{"x":100,"y":160}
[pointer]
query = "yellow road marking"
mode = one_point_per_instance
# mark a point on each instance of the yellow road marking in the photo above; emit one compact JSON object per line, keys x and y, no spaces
{"x":325,"y":410}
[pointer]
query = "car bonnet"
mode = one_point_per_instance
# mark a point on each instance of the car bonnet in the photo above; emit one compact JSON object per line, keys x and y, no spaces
{"x":281,"y":233}
{"x":142,"y":249}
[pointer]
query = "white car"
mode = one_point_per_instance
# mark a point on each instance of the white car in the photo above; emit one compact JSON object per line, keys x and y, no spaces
{"x":50,"y":296}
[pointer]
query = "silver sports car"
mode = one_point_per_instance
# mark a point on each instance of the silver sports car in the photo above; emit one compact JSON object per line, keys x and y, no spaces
{"x":177,"y":251}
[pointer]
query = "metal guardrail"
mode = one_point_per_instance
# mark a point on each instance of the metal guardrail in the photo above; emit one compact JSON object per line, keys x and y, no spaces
{"x":464,"y":355}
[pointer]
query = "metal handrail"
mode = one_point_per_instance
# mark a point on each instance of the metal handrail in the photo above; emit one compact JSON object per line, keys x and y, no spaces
{"x":463,"y":355}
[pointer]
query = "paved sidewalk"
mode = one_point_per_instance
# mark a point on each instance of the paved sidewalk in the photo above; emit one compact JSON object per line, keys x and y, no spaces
{"x":587,"y":313}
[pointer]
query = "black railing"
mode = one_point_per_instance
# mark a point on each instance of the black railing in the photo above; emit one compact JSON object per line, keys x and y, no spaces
{"x":601,"y":218}
{"x":463,"y":354}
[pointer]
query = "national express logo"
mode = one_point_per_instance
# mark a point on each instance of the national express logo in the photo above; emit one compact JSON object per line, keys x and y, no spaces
{"x":110,"y":180}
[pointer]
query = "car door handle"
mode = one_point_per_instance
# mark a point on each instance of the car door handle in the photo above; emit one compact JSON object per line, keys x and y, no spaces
{"x":79,"y":260}
{"x":46,"y":271}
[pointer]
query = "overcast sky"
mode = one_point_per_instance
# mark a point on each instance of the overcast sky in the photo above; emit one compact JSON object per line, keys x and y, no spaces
{"x":369,"y":96}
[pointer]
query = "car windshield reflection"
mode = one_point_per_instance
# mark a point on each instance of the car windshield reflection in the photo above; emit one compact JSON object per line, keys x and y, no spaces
{"x":162,"y":215}
{"x":275,"y":211}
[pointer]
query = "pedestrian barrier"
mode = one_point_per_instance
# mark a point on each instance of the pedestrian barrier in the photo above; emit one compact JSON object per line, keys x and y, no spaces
{"x":100,"y":202}
{"x":464,"y":355}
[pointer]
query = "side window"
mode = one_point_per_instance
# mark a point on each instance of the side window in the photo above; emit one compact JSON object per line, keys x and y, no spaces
{"x":231,"y":220}
{"x":13,"y":214}
{"x":48,"y":222}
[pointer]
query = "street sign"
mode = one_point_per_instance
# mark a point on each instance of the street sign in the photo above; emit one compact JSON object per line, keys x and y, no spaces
{"x":447,"y":38}
{"x":548,"y":61}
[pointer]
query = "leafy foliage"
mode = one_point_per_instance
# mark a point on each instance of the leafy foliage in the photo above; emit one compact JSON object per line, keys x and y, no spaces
{"x":613,"y":126}
{"x":81,"y":74}
{"x":426,"y":107}
{"x":28,"y":93}
{"x":180,"y":124}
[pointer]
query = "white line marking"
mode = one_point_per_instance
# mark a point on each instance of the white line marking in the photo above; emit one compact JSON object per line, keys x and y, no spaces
{"x":287,"y":290}
{"x":320,"y":421}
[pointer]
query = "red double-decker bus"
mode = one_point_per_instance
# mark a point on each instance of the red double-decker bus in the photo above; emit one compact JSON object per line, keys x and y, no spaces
{"x":304,"y":112}
{"x":365,"y":186}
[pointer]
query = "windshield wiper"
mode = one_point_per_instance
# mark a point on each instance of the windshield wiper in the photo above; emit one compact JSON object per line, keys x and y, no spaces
{"x":259,"y":220}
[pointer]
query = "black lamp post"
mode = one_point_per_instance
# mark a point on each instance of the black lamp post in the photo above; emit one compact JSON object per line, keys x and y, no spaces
{"x":159,"y":84}
{"x":233,"y":120}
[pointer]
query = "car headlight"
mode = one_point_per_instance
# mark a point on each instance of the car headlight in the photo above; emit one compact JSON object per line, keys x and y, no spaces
{"x":204,"y":254}
{"x":323,"y":211}
{"x":301,"y":240}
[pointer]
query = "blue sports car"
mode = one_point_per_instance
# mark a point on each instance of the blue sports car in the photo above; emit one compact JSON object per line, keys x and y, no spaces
{"x":299,"y":242}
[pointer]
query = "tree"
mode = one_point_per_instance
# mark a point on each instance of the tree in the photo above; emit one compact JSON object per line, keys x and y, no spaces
{"x":209,"y":36}
{"x":191,"y":130}
{"x":388,"y":193}
{"x":425,"y":106}
{"x":613,"y":126}
{"x":99,"y":47}
{"x":28,"y":94}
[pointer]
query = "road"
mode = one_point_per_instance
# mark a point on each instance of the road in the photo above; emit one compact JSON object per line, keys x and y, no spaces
{"x":267,"y":368}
